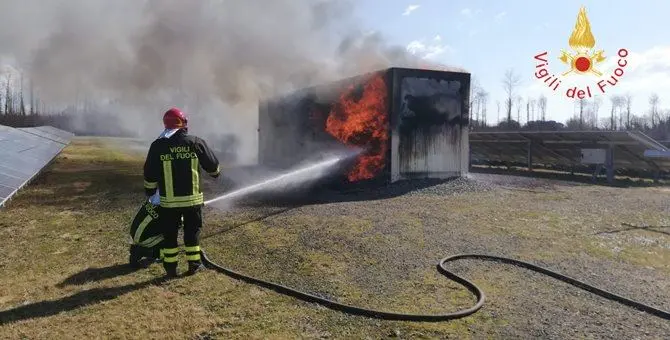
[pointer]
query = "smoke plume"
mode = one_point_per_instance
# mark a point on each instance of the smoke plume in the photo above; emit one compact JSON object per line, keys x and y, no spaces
{"x":118,"y":65}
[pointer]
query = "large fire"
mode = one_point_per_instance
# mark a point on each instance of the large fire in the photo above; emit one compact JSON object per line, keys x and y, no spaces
{"x":360,"y":118}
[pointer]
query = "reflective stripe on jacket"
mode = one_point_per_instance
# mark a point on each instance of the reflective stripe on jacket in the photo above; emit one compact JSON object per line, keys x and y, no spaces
{"x":173,"y":167}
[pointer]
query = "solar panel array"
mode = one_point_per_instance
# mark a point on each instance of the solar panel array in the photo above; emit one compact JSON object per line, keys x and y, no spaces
{"x":565,"y":147}
{"x":26,"y":152}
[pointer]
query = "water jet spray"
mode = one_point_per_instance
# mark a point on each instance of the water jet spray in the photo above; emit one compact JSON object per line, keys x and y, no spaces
{"x":303,"y":174}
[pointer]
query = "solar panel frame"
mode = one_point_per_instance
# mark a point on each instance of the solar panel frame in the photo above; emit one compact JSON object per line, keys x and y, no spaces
{"x":65,"y":135}
{"x":564,"y":147}
{"x":43,"y":134}
{"x":28,"y":152}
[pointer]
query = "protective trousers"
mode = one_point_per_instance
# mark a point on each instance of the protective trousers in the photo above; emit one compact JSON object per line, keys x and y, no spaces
{"x":170,"y":218}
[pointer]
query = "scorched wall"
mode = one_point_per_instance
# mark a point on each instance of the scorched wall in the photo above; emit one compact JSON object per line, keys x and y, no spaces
{"x":414,"y":124}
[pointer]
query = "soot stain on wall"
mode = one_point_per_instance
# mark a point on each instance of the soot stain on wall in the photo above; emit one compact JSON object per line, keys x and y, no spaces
{"x":295,"y":124}
{"x":428,"y":107}
{"x":430,"y":114}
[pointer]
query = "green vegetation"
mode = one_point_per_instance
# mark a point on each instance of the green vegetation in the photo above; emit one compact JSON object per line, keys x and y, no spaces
{"x":65,"y":248}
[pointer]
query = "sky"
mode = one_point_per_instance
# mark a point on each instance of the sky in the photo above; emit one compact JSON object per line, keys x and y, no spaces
{"x":489,"y":37}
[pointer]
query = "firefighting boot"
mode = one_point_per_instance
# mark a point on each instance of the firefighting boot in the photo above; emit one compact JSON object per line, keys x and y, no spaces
{"x":156,"y":254}
{"x":135,"y":256}
{"x":170,"y":270}
{"x":195,"y":267}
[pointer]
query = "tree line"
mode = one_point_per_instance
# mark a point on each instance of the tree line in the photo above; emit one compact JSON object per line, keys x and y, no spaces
{"x":589,"y":115}
{"x":18,"y":111}
{"x":20,"y":106}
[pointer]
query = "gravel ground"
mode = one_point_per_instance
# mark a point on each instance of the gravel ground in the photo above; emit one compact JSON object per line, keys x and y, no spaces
{"x":378,"y":248}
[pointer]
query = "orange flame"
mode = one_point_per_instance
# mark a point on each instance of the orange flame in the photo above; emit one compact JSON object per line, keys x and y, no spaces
{"x":362,"y":121}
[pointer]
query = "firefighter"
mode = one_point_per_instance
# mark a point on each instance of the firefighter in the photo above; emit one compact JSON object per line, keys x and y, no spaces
{"x":145,"y":233}
{"x":172,"y":167}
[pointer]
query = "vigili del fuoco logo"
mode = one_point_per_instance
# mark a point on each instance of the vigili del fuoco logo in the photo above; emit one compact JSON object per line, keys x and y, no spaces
{"x":583,"y":60}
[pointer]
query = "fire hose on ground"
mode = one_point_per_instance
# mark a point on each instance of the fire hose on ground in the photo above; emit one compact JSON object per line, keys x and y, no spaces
{"x":478,"y":292}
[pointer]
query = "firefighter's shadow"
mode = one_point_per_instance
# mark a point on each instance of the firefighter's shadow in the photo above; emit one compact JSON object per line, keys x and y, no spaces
{"x":82,"y":299}
{"x":96,"y":274}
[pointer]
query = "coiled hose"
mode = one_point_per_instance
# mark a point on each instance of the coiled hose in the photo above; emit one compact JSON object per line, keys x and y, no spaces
{"x":444,"y":271}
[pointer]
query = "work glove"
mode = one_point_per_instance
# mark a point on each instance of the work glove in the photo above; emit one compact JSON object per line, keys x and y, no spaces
{"x":155,"y":199}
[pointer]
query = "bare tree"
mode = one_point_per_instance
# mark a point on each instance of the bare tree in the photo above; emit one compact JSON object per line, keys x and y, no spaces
{"x":592,"y":108}
{"x":1,"y":104}
{"x":572,"y":123}
{"x":519,"y":100}
{"x":581,"y":103}
{"x":616,"y":104}
{"x":653,"y":106}
{"x":533,"y":105}
{"x":22,"y":103}
{"x":498,"y":104}
{"x":606,"y":123}
{"x":510,"y":81}
{"x":484,"y":97}
{"x":589,"y":118}
{"x":628,"y":100}
{"x":475,"y":89}
{"x":508,"y":110}
{"x":639,"y":123}
{"x":528,"y":110}
{"x":8,"y":96}
{"x":475,"y":107}
{"x":597,"y":100}
{"x":622,"y":106}
{"x":542,"y":105}
{"x":32,"y":98}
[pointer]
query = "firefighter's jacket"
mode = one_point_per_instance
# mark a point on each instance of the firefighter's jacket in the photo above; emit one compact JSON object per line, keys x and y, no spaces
{"x":145,"y":230}
{"x":173,"y":167}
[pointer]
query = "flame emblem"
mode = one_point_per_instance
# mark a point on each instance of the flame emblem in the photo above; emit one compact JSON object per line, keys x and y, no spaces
{"x":582,"y":42}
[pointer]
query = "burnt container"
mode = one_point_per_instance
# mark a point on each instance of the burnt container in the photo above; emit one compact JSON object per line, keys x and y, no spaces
{"x":427,"y":113}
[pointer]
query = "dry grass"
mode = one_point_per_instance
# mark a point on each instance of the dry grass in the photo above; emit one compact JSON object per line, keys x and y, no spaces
{"x":65,"y":252}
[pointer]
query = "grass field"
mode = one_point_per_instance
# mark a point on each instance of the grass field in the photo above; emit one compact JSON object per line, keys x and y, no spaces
{"x":65,"y":252}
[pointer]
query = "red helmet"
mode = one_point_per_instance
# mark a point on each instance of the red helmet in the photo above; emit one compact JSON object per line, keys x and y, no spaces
{"x":174,"y":119}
